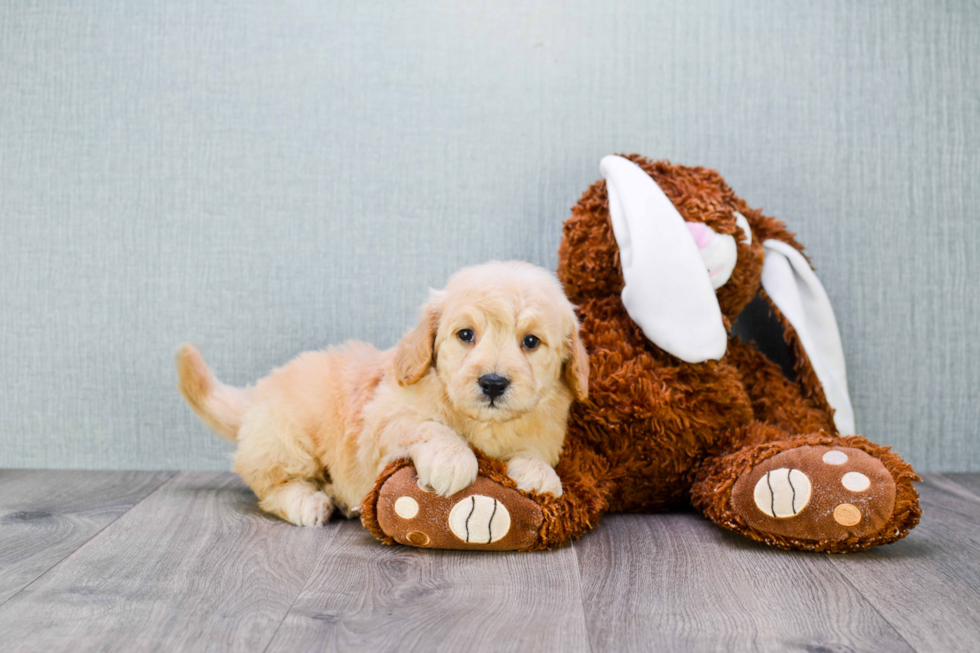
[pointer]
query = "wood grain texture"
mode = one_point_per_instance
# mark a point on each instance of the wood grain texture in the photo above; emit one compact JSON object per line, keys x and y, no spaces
{"x":969,"y":481}
{"x":364,"y":596}
{"x":193,"y":567}
{"x":45,"y":516}
{"x":677,"y":582}
{"x":928,"y":585}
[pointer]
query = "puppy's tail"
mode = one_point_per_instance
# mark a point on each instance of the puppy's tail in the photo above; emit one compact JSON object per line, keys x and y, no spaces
{"x":219,"y":406}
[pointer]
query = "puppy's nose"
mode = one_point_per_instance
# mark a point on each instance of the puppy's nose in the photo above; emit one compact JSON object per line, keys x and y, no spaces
{"x":493,"y":385}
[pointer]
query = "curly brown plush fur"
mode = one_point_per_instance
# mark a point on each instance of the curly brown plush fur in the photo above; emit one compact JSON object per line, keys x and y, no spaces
{"x":656,"y":433}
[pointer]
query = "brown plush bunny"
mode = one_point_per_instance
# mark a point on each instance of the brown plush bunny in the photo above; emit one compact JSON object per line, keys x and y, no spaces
{"x":661,"y":259}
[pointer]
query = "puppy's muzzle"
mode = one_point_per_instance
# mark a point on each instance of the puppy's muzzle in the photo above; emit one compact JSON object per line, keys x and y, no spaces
{"x":493,"y":385}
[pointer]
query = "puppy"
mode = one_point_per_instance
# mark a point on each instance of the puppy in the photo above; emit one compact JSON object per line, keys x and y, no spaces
{"x":494,"y":363}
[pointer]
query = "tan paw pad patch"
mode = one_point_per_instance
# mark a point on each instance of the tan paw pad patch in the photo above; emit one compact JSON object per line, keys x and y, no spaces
{"x":418,"y":538}
{"x":847,"y":515}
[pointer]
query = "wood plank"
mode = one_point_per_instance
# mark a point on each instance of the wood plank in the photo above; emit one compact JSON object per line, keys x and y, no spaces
{"x":364,"y":596}
{"x":194,"y":566}
{"x":678,"y":582}
{"x":928,"y":585}
{"x":45,"y":515}
{"x":969,"y":481}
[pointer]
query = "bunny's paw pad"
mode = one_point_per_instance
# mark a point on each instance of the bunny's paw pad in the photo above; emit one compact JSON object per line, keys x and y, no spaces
{"x":484,"y":516}
{"x":816,"y":493}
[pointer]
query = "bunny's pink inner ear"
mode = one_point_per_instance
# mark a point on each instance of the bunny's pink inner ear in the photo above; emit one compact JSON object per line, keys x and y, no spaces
{"x":668,"y":292}
{"x":796,"y":291}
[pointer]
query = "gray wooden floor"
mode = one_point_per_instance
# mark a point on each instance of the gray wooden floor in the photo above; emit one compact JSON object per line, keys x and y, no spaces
{"x":134,"y":561}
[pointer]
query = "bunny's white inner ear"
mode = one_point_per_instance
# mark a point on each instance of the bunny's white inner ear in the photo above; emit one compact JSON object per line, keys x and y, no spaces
{"x":797,"y":292}
{"x":742,"y":222}
{"x":667,"y":291}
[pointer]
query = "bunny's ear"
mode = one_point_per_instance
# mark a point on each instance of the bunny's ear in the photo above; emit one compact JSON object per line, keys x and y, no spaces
{"x":667,"y":291}
{"x":794,"y":289}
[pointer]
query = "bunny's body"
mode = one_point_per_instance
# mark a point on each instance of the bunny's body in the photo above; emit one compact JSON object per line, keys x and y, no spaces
{"x":680,"y":411}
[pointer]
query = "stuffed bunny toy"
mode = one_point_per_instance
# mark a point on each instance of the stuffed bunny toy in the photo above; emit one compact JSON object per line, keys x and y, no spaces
{"x":661,"y":260}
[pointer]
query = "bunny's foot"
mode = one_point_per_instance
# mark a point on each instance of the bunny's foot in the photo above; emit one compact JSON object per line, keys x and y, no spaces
{"x":484,"y":516}
{"x":830,"y":492}
{"x":815,"y":492}
{"x":492,"y":514}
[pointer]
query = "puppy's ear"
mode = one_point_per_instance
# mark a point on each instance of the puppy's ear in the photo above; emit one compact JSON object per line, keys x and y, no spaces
{"x":415,"y":352}
{"x":576,"y":369}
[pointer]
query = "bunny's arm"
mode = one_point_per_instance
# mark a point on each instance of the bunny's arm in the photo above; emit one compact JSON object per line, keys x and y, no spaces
{"x":776,"y":399}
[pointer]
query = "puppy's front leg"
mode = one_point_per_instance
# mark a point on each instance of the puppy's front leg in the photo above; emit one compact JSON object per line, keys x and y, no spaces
{"x":533,"y":474}
{"x":442,"y":459}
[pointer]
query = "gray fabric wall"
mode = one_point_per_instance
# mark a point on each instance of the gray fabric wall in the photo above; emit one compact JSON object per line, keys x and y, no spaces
{"x":264,"y":178}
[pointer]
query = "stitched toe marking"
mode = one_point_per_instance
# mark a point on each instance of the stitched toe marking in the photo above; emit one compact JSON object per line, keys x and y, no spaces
{"x":782,"y":493}
{"x":479,"y":519}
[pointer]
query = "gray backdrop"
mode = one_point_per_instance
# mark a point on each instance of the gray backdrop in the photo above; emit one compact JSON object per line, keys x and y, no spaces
{"x":266,"y":178}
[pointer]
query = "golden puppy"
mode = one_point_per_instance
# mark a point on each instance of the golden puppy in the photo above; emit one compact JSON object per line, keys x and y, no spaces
{"x":494,"y":363}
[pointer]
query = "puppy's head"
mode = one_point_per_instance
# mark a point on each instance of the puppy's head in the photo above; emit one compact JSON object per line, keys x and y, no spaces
{"x":501,"y":338}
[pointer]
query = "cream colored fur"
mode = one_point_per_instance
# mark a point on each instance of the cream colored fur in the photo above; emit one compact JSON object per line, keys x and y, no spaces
{"x":316,"y":433}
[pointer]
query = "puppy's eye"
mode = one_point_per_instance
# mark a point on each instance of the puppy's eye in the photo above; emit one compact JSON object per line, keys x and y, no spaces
{"x":466,"y":335}
{"x":531,"y":342}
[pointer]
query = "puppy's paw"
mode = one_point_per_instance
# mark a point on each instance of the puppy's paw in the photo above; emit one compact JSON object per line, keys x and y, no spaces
{"x":446,"y":465}
{"x":534,"y":475}
{"x":305,"y":508}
